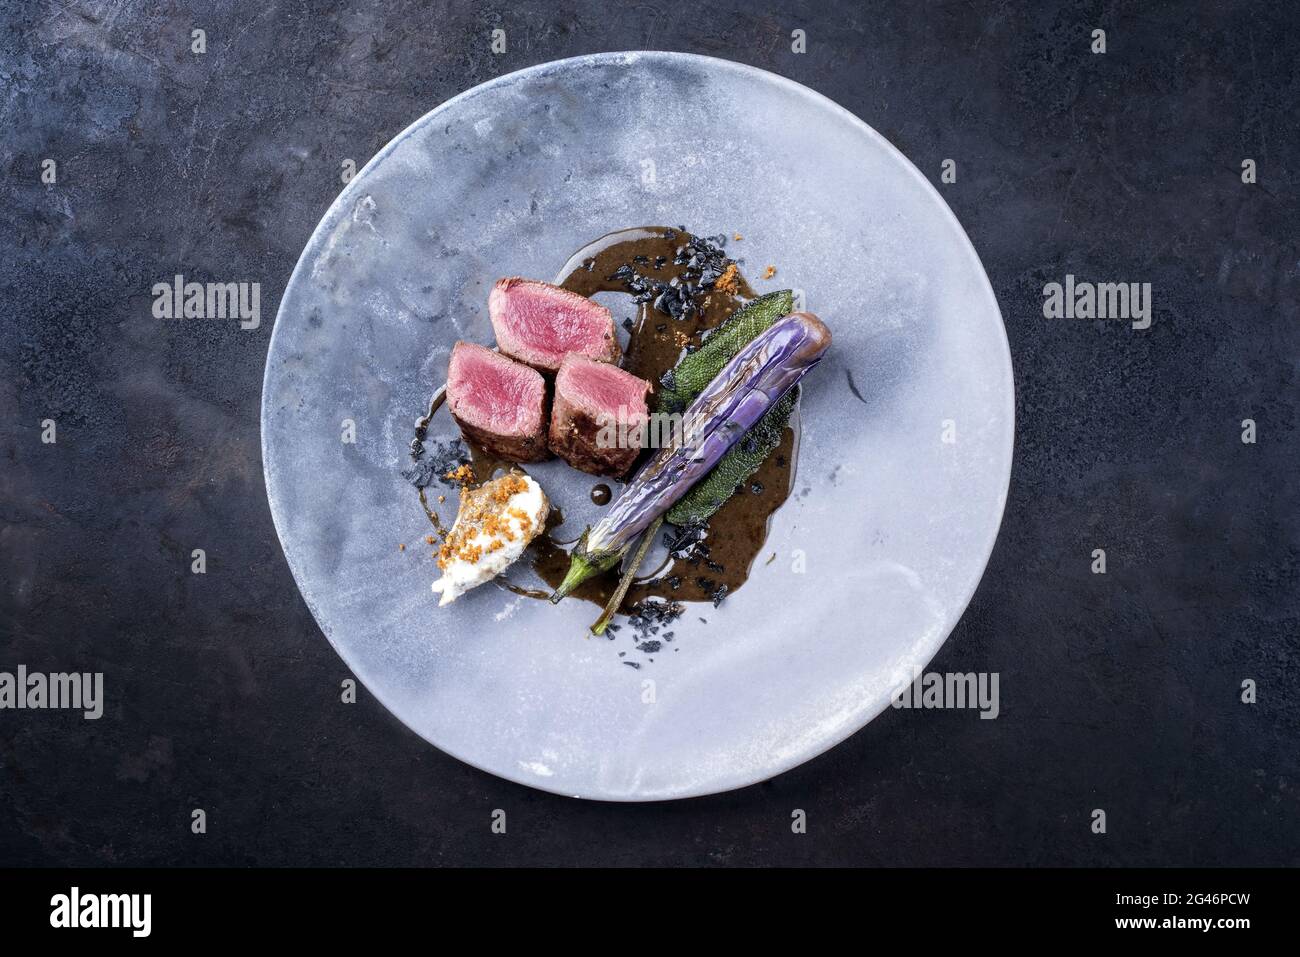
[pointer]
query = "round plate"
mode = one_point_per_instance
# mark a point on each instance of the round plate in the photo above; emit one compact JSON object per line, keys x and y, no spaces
{"x":906,"y":436}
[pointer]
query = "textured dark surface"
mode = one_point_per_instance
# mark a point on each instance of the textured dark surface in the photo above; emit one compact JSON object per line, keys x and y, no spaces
{"x":1119,"y":691}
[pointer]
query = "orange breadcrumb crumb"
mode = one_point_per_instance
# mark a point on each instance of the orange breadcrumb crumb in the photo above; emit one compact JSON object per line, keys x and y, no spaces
{"x":462,"y":473}
{"x":769,"y":272}
{"x":729,"y":281}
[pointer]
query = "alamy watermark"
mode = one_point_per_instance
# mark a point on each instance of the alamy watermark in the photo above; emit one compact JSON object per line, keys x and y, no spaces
{"x":77,"y":691}
{"x":1101,"y":300}
{"x":935,"y":690}
{"x":639,"y":430}
{"x":128,"y":911}
{"x":179,"y":299}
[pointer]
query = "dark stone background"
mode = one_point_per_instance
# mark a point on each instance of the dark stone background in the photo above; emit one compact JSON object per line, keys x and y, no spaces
{"x":1118,"y":691}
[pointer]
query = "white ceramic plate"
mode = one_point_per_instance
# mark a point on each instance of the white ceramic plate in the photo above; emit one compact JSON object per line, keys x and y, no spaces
{"x":891,"y":525}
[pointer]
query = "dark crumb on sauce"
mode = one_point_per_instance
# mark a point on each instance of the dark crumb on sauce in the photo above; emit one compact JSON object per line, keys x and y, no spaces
{"x":756,"y":488}
{"x":715,"y":591}
{"x":703,"y":262}
{"x":687,"y":544}
{"x":436,"y":461}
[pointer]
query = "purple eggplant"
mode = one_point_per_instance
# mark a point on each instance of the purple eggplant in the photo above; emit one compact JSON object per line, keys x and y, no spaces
{"x":756,"y":378}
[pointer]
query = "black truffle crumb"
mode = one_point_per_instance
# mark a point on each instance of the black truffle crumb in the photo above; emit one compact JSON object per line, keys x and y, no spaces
{"x":686,"y":542}
{"x":704,"y":261}
{"x":647,"y":618}
{"x":437,"y":459}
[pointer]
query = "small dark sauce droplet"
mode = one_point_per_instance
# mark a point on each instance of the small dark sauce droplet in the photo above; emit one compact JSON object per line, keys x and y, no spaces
{"x":600,"y":494}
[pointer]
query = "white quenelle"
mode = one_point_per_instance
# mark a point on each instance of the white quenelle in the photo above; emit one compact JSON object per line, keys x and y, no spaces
{"x":494,"y":525}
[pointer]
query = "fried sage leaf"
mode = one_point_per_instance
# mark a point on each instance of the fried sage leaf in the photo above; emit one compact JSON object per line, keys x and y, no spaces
{"x":687,"y":379}
{"x":741,"y":461}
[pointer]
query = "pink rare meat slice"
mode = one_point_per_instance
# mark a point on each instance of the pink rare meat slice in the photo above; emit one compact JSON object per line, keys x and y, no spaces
{"x":540,"y":324}
{"x":598,"y":417}
{"x":499,"y":404}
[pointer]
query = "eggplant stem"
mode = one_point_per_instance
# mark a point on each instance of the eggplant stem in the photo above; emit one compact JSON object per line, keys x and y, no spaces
{"x":625,"y":581}
{"x":583,"y":565}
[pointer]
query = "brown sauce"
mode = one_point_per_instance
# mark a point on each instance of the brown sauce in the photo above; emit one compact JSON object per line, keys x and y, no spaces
{"x":735,"y":535}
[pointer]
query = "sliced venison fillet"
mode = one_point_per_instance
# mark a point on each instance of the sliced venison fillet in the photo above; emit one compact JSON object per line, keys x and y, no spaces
{"x":598,"y":418}
{"x":540,"y":324}
{"x":498,"y":403}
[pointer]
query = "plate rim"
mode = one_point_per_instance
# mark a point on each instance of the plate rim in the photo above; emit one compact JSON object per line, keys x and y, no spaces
{"x":626,"y":58}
